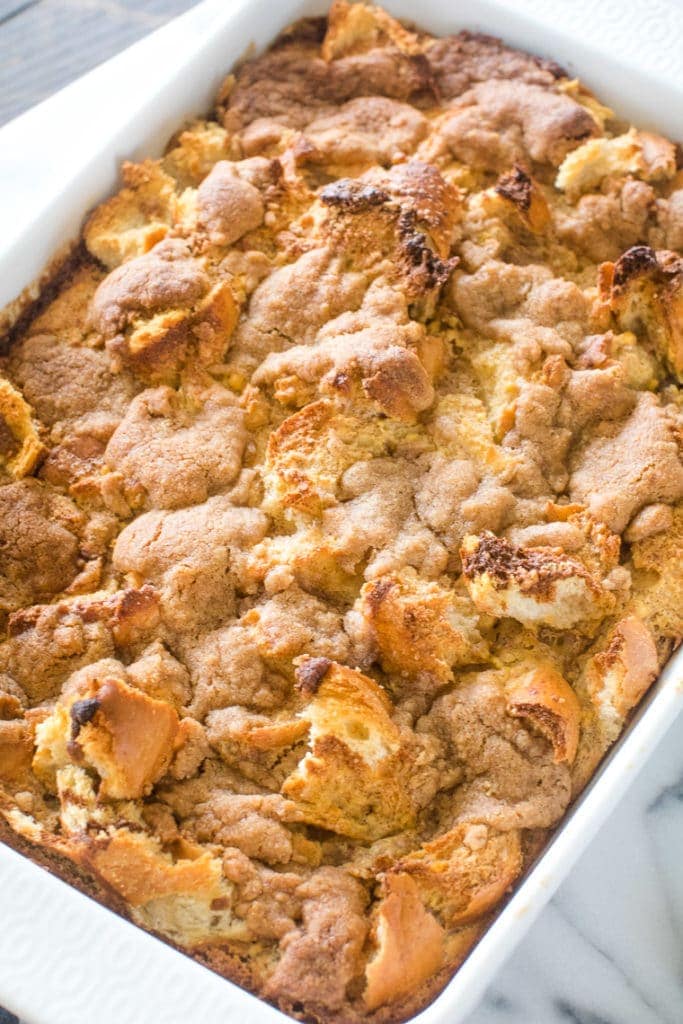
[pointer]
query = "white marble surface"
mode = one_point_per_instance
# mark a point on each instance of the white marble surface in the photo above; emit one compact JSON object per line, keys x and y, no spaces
{"x":609,"y":947}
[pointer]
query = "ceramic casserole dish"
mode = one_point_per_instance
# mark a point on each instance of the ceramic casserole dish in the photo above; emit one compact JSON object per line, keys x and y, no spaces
{"x":64,"y":958}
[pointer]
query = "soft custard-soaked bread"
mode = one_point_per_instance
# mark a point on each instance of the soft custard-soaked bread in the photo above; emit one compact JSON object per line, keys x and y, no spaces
{"x":341,"y":508}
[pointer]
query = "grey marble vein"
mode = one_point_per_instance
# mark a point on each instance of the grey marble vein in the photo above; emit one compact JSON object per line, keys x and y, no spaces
{"x":570,"y":1012}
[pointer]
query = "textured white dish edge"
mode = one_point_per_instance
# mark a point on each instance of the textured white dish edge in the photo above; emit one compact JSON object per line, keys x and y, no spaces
{"x":63,"y":958}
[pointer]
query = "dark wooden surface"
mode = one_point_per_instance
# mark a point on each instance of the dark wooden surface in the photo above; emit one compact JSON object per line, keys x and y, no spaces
{"x":44,"y":44}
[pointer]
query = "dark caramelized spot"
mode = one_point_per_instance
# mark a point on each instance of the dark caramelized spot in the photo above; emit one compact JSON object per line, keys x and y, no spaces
{"x":607,"y":658}
{"x":220,"y":903}
{"x":82,"y":712}
{"x":638,"y":260}
{"x":378,"y":592}
{"x":310,"y":674}
{"x":516,"y":186}
{"x":419,"y":253}
{"x":535,"y":570}
{"x":353,"y":196}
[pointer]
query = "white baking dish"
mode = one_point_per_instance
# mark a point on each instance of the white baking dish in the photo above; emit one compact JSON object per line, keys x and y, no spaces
{"x":63,"y":958}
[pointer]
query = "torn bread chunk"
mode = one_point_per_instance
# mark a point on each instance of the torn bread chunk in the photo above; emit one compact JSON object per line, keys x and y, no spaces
{"x":136,"y":218}
{"x":122,"y":734}
{"x":644,"y":291}
{"x":537,"y":586}
{"x":351,"y":780}
{"x":621,"y":668}
{"x":20,"y":445}
{"x":618,"y":676}
{"x":308,"y":453}
{"x":401,"y":964}
{"x":139,"y":870}
{"x":464,"y":872}
{"x":172,"y":889}
{"x":546,"y":700}
{"x":402,"y":211}
{"x":353,"y":28}
{"x":517,"y":196}
{"x":160,"y":309}
{"x":419,"y":627}
{"x":639,"y":153}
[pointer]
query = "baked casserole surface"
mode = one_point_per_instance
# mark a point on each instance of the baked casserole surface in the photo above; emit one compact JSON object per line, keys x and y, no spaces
{"x":341,"y":508}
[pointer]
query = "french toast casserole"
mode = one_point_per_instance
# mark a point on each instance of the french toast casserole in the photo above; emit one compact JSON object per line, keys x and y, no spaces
{"x":341,"y":508}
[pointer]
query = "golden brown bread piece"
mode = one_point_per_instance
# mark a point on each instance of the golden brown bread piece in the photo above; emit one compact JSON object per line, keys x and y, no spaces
{"x":537,"y":586}
{"x":546,"y":699}
{"x":402,"y":963}
{"x":353,"y":780}
{"x":644,"y":292}
{"x":639,"y":153}
{"x":341,"y":508}
{"x":464,"y":872}
{"x":420,"y":628}
{"x":141,"y":309}
{"x":136,"y":218}
{"x":20,"y":446}
{"x":126,"y":737}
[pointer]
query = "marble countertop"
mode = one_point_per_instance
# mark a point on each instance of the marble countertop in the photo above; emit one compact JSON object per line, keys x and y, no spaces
{"x":609,"y":947}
